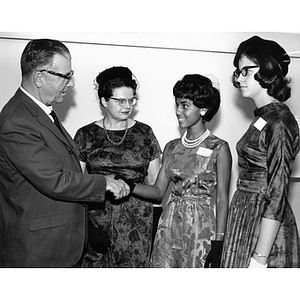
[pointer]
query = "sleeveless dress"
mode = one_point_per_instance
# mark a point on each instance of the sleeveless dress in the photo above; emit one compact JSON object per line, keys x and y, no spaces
{"x":188,"y":224}
{"x":128,"y":224}
{"x":266,"y":154}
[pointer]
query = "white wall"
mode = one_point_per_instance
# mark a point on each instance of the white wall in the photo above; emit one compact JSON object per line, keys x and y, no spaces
{"x":158,"y":60}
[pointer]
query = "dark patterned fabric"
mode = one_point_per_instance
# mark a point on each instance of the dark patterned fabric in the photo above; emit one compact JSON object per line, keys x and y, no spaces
{"x":128,"y":224}
{"x":266,"y":154}
{"x":188,"y":224}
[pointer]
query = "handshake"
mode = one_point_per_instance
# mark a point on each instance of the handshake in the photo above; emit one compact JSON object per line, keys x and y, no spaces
{"x":118,"y":187}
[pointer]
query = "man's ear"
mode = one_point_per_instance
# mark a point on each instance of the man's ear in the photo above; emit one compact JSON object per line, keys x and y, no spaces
{"x":38,"y":79}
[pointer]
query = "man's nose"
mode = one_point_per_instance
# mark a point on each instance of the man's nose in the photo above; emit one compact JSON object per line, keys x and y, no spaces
{"x":71,"y":83}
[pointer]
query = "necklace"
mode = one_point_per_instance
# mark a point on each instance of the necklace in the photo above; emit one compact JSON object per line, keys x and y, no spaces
{"x":196,"y":142}
{"x":122,"y":139}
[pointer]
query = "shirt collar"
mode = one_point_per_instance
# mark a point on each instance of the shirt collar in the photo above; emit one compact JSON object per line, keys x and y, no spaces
{"x":45,"y":108}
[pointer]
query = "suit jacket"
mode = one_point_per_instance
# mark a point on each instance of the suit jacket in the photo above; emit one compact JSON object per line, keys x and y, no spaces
{"x":43,"y":192}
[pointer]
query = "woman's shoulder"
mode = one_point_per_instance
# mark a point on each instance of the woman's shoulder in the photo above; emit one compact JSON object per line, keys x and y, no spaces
{"x":172,"y":144}
{"x":216,"y":139}
{"x":142,"y":126}
{"x":88,"y":127}
{"x":280,"y":119}
{"x":174,"y":141}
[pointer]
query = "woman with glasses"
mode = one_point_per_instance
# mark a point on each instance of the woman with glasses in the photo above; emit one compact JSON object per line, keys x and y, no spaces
{"x":119,"y":145}
{"x":198,"y":167}
{"x":261,"y":228}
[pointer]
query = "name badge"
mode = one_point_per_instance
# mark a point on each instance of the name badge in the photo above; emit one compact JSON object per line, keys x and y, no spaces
{"x":204,"y":152}
{"x":260,"y":124}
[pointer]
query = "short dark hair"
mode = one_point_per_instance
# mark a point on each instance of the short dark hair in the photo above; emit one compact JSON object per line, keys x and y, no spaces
{"x":39,"y":53}
{"x":273,"y":64}
{"x":201,"y":91}
{"x":112,"y":78}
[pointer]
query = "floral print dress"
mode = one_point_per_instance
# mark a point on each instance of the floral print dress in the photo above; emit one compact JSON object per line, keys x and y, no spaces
{"x":127,"y":223}
{"x":188,"y":224}
{"x":266,"y":154}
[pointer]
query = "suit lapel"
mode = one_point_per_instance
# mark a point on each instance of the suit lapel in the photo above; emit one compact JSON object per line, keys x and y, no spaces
{"x":43,"y":119}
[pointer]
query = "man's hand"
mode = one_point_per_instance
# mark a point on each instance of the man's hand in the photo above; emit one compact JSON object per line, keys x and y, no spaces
{"x":118,"y":187}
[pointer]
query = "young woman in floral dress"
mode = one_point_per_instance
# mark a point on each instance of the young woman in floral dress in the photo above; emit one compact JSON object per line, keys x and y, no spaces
{"x":198,"y":166}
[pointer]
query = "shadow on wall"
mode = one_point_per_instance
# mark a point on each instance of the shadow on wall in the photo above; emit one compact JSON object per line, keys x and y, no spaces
{"x":62,"y":109}
{"x":246,"y":106}
{"x":215,"y":121}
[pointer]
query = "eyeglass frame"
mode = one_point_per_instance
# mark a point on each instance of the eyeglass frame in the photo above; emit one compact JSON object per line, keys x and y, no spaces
{"x":64,"y":76}
{"x":124,"y":100}
{"x":243,"y":71}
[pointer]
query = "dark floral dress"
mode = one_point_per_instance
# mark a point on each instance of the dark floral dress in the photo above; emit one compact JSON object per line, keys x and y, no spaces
{"x":188,"y":224}
{"x":128,"y":224}
{"x":266,"y":154}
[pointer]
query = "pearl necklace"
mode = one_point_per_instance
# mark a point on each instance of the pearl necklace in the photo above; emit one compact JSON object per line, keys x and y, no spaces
{"x":122,"y":139}
{"x":196,"y":142}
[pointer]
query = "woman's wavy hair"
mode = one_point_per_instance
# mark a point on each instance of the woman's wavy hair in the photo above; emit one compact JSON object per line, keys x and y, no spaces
{"x":201,"y":91}
{"x":273,"y":64}
{"x":113,"y":78}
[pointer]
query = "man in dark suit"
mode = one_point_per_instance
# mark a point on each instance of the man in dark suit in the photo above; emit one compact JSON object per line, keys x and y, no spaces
{"x":43,"y":192}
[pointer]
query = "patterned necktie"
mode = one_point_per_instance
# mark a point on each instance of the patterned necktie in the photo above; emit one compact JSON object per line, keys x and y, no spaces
{"x":55,"y":118}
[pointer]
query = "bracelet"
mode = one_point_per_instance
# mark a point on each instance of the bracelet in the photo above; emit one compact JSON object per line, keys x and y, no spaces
{"x":220,"y":233}
{"x":259,"y":254}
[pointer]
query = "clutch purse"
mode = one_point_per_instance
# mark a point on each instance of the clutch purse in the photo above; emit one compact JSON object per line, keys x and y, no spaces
{"x":97,"y":239}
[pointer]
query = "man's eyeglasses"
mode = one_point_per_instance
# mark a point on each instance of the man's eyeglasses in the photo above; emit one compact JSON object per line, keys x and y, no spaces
{"x":244,"y":71}
{"x":65,"y":76}
{"x":122,"y":102}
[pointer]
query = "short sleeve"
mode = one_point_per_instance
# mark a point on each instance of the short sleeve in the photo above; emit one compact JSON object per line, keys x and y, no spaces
{"x":80,"y":142}
{"x":154,"y":148}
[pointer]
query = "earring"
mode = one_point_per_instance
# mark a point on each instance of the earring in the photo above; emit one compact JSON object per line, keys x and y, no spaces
{"x":202,"y":112}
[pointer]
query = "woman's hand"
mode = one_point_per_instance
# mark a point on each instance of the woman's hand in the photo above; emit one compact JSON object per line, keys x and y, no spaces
{"x":214,"y":256}
{"x":255,"y":264}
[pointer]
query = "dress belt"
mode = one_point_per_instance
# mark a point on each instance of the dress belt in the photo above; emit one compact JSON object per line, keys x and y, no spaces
{"x":251,"y":185}
{"x":174,"y":200}
{"x":202,"y":198}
